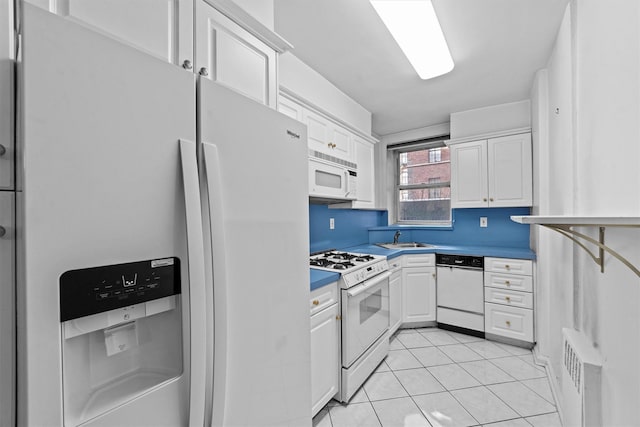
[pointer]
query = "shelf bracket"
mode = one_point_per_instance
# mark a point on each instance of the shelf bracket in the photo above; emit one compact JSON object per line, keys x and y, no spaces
{"x":567,"y":231}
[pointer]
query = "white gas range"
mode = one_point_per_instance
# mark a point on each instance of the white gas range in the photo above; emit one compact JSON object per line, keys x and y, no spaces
{"x":364,"y":303}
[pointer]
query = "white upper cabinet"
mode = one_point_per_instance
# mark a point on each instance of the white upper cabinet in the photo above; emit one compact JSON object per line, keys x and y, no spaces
{"x":510,"y":175}
{"x":492,"y":173}
{"x":163,"y":28}
{"x":366,"y":184}
{"x":231,"y":55}
{"x":290,"y":108}
{"x":469,"y":175}
{"x":326,"y":136}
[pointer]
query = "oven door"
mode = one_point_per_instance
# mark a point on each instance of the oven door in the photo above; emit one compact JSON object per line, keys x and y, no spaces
{"x":365,"y":316}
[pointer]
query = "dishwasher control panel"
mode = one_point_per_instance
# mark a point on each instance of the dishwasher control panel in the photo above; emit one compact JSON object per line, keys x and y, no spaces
{"x":467,"y":261}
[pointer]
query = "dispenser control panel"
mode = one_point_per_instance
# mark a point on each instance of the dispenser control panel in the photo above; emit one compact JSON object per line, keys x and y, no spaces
{"x":98,"y":289}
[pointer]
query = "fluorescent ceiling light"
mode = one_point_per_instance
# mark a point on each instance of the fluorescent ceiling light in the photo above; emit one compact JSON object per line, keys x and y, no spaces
{"x":415,"y":27}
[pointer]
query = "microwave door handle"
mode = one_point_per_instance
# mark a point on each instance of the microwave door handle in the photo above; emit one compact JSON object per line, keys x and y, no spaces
{"x":346,"y":183}
{"x":368,"y":284}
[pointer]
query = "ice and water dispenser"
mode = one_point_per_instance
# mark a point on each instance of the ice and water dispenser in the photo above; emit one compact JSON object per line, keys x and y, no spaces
{"x":121,"y":333}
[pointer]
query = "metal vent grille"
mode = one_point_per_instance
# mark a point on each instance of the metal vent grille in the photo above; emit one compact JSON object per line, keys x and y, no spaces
{"x":327,"y":157}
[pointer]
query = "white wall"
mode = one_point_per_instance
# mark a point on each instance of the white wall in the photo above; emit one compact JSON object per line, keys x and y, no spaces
{"x":494,"y":118}
{"x":587,"y":152}
{"x":262,"y":10}
{"x":307,"y":83}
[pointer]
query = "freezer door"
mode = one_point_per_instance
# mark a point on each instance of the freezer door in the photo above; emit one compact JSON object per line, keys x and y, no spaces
{"x":102,"y":186}
{"x":255,"y":164}
{"x":7,"y":287}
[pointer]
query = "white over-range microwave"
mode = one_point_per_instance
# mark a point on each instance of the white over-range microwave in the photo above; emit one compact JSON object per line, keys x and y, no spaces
{"x":331,"y":179}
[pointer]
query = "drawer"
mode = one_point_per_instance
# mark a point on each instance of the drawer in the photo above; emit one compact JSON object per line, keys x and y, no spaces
{"x":508,"y":297}
{"x":507,"y":265}
{"x":509,"y":281}
{"x":511,"y":322}
{"x":460,"y":318}
{"x":419,"y":260}
{"x":395,"y":264}
{"x":323,"y":297}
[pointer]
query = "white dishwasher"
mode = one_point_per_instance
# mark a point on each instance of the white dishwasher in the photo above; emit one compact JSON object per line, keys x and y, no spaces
{"x":460,"y":293}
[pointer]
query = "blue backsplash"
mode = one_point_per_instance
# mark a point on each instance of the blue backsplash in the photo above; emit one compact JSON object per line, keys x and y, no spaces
{"x":352,"y":228}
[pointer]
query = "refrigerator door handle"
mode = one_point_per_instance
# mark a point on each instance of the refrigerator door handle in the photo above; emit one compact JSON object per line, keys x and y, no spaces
{"x":212,"y":166}
{"x":197,"y":296}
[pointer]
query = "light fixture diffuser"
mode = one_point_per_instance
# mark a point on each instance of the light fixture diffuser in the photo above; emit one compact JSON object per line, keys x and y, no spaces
{"x":415,"y":27}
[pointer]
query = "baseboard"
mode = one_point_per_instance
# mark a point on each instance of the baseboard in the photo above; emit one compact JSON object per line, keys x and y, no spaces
{"x":551,"y":377}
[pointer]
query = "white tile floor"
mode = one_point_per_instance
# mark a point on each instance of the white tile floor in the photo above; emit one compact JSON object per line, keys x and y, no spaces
{"x":439,"y":378}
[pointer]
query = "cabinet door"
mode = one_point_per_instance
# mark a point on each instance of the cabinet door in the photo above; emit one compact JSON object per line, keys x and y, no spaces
{"x":325,"y":357}
{"x":163,"y":28}
{"x":341,"y":141}
{"x":230,"y":55}
{"x":317,"y":131}
{"x":365,"y":159}
{"x":419,"y":294}
{"x":469,"y":175}
{"x":326,"y":136}
{"x":395,"y":301}
{"x":510,"y":171}
{"x":7,"y":286}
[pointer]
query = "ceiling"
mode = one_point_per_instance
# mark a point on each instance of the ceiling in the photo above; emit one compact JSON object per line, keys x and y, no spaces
{"x":497,"y":46}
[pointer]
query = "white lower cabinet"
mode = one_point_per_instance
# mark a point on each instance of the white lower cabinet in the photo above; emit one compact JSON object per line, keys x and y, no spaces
{"x":418,"y":288}
{"x":508,"y":296}
{"x":325,"y":348}
{"x":395,"y":296}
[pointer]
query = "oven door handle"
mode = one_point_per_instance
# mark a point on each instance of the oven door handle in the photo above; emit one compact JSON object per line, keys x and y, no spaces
{"x":357,"y":290}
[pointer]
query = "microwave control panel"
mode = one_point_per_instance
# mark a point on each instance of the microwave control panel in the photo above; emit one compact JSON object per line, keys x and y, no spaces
{"x":98,"y":289}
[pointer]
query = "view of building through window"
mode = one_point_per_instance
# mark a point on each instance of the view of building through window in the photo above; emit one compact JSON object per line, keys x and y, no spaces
{"x":424,"y":191}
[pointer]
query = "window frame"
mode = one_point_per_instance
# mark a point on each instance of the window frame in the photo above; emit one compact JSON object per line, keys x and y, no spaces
{"x":406,"y":148}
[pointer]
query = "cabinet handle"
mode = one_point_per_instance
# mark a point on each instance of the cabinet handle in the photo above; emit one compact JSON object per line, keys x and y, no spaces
{"x":484,"y":199}
{"x":508,"y":299}
{"x":508,"y":323}
{"x":2,"y":150}
{"x":508,"y":283}
{"x":187,"y":64}
{"x":204,"y":72}
{"x":338,"y":317}
{"x":315,"y":302}
{"x":434,"y":275}
{"x":491,"y":199}
{"x":3,"y":231}
{"x":507,"y":266}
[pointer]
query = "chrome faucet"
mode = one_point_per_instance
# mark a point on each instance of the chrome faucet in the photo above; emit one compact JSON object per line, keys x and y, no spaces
{"x":396,"y":237}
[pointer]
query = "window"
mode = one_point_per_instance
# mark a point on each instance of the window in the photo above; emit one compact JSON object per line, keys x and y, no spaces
{"x":423,"y":184}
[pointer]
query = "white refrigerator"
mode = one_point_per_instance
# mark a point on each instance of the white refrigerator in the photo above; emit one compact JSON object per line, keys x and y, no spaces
{"x":162,"y":241}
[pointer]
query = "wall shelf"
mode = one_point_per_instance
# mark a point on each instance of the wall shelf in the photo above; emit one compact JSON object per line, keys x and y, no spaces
{"x":564,"y":225}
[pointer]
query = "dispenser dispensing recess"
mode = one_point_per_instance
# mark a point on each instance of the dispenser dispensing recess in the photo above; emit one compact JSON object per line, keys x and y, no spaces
{"x":121,"y":328}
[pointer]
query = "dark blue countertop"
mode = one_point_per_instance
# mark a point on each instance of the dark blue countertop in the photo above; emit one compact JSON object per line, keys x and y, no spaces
{"x":320,"y":278}
{"x":489,"y":251}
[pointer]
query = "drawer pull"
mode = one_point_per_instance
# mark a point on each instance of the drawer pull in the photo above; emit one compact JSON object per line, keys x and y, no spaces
{"x":507,"y":282}
{"x":338,"y":317}
{"x":508,"y":323}
{"x":434,"y":275}
{"x":507,"y":267}
{"x":315,"y":302}
{"x":508,"y":299}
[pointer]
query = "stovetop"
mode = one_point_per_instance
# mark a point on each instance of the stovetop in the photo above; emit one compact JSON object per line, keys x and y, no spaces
{"x":354,"y":267}
{"x":341,"y":262}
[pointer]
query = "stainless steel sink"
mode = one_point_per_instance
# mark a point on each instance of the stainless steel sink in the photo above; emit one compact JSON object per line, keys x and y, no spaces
{"x":405,"y":245}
